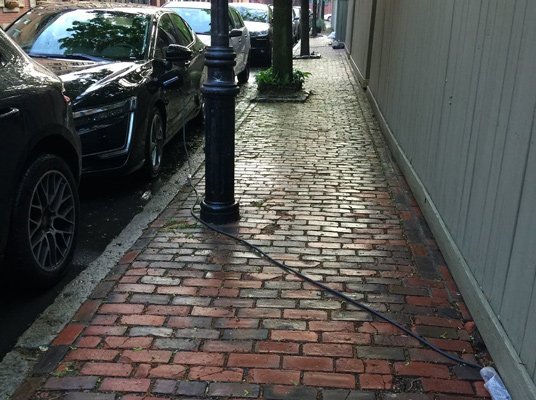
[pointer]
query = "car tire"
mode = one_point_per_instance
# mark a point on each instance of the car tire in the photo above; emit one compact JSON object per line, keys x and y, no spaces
{"x":199,"y":119}
{"x":45,"y":220}
{"x":243,"y":77}
{"x":154,"y":144}
{"x":268,"y":57}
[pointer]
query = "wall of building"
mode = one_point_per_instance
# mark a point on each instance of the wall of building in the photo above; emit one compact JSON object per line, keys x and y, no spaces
{"x":453,"y":86}
{"x":10,"y":10}
{"x":358,"y":36}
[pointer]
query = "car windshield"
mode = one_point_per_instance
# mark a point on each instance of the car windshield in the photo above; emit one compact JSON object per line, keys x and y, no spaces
{"x":82,"y":34}
{"x":197,"y":18}
{"x":252,"y":14}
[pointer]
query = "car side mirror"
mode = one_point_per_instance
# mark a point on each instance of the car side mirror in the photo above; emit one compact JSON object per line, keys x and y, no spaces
{"x":159,"y":66}
{"x":235,"y":33}
{"x":176,"y":52}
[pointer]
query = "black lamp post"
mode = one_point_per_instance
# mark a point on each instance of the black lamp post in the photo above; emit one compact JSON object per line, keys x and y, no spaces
{"x":304,"y":28}
{"x":220,"y":90}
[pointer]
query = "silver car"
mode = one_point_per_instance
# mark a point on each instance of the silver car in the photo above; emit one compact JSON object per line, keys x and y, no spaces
{"x":258,"y":18}
{"x":295,"y":25}
{"x":197,"y":15}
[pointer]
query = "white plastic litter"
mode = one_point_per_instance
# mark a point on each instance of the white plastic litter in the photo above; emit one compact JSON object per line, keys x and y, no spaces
{"x":331,"y":35}
{"x":146,"y":195}
{"x":494,"y":384}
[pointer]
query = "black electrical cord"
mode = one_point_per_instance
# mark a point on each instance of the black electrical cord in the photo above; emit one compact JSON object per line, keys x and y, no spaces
{"x":312,"y":281}
{"x":328,"y":289}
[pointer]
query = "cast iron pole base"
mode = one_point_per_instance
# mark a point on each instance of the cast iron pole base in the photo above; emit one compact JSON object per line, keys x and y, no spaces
{"x":219,"y":206}
{"x":219,"y":214}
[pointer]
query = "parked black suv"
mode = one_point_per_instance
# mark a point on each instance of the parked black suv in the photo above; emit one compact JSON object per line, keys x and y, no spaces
{"x":40,"y":155}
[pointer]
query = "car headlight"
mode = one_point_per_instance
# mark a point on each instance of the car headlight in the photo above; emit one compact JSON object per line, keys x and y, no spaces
{"x":103,"y":115}
{"x":259,"y":33}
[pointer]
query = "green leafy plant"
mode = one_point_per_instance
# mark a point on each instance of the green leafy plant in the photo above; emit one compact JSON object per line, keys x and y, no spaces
{"x":268,"y":80}
{"x":266,"y":77}
{"x":300,"y":76}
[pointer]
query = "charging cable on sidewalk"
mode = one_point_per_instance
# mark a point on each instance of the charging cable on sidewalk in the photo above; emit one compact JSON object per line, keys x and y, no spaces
{"x":493,"y":382}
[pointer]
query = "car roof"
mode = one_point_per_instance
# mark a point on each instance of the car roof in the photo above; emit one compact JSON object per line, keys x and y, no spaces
{"x":188,"y":4}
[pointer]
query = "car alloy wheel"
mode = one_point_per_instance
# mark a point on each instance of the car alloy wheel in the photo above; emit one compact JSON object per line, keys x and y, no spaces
{"x":155,"y":144}
{"x":45,"y":221}
{"x":52,"y":220}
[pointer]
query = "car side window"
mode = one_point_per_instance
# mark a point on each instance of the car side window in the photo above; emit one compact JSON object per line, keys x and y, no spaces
{"x":184,"y":32}
{"x":231,"y":21}
{"x":235,"y":19}
{"x":166,"y":35}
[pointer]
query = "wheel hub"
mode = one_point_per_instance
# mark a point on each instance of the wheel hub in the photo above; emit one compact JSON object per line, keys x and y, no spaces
{"x":51,"y":222}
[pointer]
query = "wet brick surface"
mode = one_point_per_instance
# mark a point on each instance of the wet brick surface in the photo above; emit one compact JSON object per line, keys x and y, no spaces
{"x":190,"y":314}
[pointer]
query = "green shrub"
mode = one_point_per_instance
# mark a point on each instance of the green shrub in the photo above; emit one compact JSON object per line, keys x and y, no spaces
{"x":299,"y":76}
{"x":267,"y":80}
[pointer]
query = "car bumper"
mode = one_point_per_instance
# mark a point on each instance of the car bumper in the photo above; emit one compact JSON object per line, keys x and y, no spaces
{"x":107,"y":146}
{"x":261,"y":45}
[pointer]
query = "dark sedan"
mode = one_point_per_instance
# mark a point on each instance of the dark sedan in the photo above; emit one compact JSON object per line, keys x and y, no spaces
{"x":133,"y":74}
{"x":40,"y":170}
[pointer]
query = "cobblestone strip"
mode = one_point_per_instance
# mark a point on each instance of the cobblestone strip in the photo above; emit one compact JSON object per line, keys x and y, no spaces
{"x":190,"y":314}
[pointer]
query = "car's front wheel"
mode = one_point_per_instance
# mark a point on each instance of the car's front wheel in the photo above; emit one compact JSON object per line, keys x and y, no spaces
{"x":243,"y":77}
{"x":268,"y":56}
{"x":44,"y":227}
{"x":154,"y":144}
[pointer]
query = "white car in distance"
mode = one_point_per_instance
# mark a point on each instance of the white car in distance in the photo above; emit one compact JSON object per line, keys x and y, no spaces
{"x":197,"y":15}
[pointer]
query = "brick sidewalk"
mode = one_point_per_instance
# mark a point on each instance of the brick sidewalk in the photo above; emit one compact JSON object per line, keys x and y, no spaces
{"x":189,"y":314}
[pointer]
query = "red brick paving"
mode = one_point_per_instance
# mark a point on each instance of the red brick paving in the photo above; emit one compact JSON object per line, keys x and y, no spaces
{"x":193,"y":314}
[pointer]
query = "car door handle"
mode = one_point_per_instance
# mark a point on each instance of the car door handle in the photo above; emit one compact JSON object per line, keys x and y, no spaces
{"x":11,"y":112}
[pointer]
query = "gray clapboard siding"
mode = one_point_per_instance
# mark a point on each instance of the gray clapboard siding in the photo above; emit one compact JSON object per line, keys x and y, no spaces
{"x":454,"y":85}
{"x":360,"y":32}
{"x":520,"y":305}
{"x":341,"y":9}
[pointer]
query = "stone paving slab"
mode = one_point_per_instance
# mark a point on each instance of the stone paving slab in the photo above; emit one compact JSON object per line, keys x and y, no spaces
{"x":189,"y":314}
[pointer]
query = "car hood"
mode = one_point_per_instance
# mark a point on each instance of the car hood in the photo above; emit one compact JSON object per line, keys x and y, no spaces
{"x":206,"y":39}
{"x":257,"y":26}
{"x":28,"y":73}
{"x":83,"y":79}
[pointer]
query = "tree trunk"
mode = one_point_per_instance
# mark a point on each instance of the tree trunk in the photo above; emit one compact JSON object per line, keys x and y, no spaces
{"x":282,"y":51}
{"x":315,"y":17}
{"x":304,"y":28}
